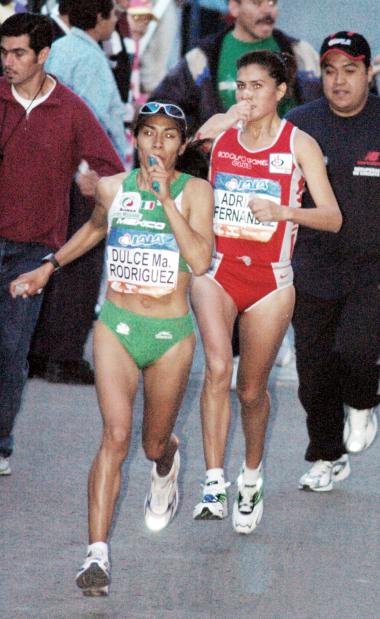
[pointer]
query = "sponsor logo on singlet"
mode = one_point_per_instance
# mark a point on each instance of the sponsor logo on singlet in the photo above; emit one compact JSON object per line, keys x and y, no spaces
{"x":280,"y":163}
{"x":242,"y":161}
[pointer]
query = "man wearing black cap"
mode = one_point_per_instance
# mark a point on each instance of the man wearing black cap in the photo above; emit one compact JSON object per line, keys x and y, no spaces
{"x":337,"y":313}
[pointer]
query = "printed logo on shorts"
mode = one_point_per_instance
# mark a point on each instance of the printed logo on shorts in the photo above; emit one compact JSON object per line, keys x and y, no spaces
{"x":280,"y":163}
{"x":122,"y":328}
{"x":164,"y":335}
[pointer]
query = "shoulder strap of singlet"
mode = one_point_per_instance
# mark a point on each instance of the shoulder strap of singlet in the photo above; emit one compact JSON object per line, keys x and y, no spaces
{"x":130,"y":181}
{"x":179,"y":184}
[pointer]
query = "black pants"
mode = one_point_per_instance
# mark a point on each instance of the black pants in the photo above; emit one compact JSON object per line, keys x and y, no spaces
{"x":68,"y":307}
{"x":337,"y":346}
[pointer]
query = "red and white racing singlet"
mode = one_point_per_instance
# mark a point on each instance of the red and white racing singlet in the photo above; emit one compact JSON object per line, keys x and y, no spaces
{"x":270,"y":173}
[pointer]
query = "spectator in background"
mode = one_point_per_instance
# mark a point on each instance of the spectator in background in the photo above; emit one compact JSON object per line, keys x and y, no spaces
{"x":80,"y":63}
{"x":204,"y":81}
{"x":78,"y":60}
{"x":65,"y":319}
{"x":161,"y":46}
{"x":9,"y":8}
{"x":337,"y":312}
{"x":37,"y":166}
{"x":201,"y":18}
{"x":60,"y":17}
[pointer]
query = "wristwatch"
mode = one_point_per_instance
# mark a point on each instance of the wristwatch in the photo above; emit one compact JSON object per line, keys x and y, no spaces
{"x":53,"y":260}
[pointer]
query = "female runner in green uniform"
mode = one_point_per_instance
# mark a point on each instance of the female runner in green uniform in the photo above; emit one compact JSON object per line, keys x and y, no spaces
{"x":159,"y":224}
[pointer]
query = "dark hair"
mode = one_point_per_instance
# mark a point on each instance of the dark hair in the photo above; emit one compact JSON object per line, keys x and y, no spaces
{"x":64,"y":6}
{"x":194,"y":160}
{"x":38,"y":27}
{"x":83,"y":13}
{"x":281,"y":66}
{"x":141,"y":118}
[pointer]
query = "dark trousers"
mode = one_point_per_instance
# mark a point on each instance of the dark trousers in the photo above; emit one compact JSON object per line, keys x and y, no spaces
{"x":337,"y":345}
{"x":17,"y":321}
{"x":68,"y":309}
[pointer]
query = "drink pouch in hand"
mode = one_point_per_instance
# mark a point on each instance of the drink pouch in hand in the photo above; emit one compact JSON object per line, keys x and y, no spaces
{"x":155,"y":184}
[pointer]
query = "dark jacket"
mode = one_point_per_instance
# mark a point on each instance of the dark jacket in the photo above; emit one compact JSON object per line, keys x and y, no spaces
{"x":192,"y":83}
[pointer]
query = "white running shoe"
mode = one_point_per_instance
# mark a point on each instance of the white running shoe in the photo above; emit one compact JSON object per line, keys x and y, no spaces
{"x":162,"y":501}
{"x":285,"y":354}
{"x":213,"y":505}
{"x":360,"y":428}
{"x":94,"y":576}
{"x":323,"y":474}
{"x":248,"y":505}
{"x":5,"y":468}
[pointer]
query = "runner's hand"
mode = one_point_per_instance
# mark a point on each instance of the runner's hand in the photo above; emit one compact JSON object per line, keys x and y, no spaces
{"x":159,"y":179}
{"x":267,"y":210}
{"x":31,"y":283}
{"x":239,"y":112}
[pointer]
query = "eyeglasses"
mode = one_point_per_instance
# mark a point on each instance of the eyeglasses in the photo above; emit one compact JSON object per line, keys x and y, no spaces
{"x":261,"y":2}
{"x":153,"y":107}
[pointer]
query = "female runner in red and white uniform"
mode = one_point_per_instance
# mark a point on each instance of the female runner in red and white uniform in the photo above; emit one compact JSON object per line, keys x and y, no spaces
{"x":259,"y":164}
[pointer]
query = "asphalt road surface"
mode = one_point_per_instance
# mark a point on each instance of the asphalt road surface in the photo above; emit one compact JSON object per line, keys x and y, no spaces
{"x":314,"y":556}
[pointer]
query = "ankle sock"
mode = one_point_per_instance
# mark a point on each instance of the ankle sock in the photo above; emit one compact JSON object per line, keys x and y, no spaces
{"x":215,"y":475}
{"x":251,"y":476}
{"x":100,"y":548}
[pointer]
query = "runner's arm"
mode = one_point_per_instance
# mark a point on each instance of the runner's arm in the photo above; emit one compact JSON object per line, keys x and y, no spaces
{"x":89,"y":235}
{"x":194,"y":235}
{"x":326,"y":216}
{"x":239,"y":112}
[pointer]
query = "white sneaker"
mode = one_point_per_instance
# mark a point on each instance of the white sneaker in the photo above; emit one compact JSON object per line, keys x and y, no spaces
{"x":248,"y":506}
{"x":235,"y":367}
{"x":162,"y":501}
{"x":213,"y":505}
{"x":285,"y":354}
{"x":323,"y":474}
{"x":5,"y":468}
{"x":360,"y":428}
{"x":94,"y":576}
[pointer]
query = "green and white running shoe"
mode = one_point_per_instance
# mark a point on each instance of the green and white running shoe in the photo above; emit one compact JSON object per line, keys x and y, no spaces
{"x":213,"y":505}
{"x":248,"y":505}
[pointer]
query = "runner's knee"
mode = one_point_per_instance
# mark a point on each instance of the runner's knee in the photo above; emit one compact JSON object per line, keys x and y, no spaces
{"x":252,"y":397}
{"x":117,"y":437}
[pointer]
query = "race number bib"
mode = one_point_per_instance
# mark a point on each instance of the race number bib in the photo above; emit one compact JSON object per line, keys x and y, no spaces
{"x":232,"y":216}
{"x":142,"y":261}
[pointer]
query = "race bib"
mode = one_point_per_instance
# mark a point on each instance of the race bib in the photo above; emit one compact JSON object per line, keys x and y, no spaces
{"x":142,"y":261}
{"x":232,"y":216}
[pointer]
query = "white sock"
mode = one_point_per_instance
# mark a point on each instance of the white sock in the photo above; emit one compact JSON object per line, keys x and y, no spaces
{"x":215,"y":475}
{"x":98,"y":548}
{"x":251,"y":476}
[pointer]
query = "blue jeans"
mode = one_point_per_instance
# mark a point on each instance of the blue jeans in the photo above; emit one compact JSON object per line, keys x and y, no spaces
{"x":18,"y":318}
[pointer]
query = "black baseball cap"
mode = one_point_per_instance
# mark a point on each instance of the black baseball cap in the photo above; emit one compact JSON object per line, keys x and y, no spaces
{"x":350,"y":44}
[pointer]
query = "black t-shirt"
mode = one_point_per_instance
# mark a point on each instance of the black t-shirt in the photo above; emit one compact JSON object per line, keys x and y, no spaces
{"x":330,"y":265}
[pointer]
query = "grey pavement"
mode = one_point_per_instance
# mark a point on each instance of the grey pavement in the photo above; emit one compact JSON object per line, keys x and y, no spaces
{"x":314,"y":556}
